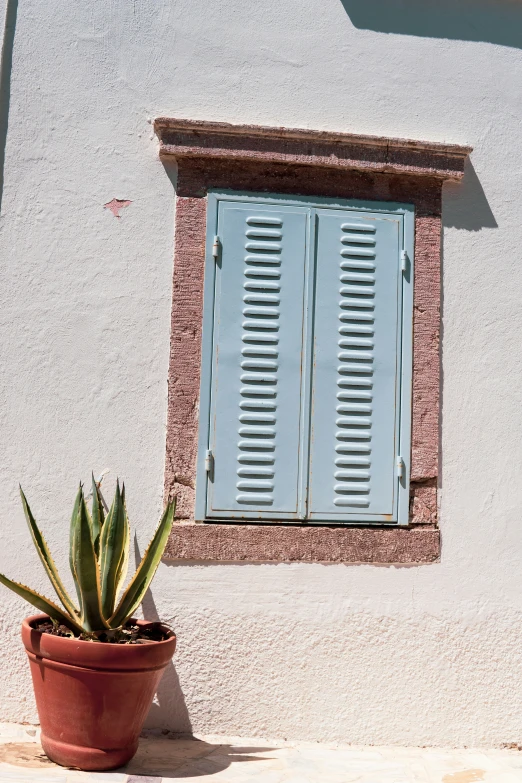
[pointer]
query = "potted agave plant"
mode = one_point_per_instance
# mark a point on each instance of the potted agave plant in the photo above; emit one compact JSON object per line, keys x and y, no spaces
{"x":95,"y":668}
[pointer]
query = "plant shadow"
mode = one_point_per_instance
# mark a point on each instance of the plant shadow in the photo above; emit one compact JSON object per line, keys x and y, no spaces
{"x":169,"y":707}
{"x":177,"y":754}
{"x":171,"y":758}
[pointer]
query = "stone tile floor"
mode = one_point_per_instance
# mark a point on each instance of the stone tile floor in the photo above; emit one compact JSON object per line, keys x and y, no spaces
{"x":213,"y":759}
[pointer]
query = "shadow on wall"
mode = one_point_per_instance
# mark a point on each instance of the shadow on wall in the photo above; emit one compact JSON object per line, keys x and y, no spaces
{"x":6,"y":65}
{"x":464,"y":204}
{"x":169,"y":706}
{"x":492,"y":21}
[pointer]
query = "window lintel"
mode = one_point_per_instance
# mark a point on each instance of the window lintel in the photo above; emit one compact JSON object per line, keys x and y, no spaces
{"x":182,"y":138}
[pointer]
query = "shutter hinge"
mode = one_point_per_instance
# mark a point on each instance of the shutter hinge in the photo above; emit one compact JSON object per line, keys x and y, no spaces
{"x":405,"y":261}
{"x":209,"y":463}
{"x":216,"y":247}
{"x":400,"y":467}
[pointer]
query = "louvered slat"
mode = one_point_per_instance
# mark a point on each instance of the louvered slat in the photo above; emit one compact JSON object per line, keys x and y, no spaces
{"x":258,"y":337}
{"x":352,"y":451}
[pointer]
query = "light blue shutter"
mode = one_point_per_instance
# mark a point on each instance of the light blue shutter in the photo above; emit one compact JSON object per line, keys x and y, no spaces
{"x":257,"y":345}
{"x":353,"y":447}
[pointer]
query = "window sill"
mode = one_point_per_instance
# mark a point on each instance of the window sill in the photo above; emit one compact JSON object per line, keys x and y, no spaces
{"x":285,"y":543}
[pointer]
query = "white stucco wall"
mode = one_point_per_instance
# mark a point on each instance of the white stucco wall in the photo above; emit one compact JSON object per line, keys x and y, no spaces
{"x":420,"y":655}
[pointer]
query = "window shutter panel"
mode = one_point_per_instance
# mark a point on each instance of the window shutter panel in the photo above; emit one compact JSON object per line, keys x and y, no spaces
{"x":256,"y":385}
{"x":353,"y":447}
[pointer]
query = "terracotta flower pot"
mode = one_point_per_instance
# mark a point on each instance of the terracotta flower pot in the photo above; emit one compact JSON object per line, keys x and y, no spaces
{"x":92,"y":699}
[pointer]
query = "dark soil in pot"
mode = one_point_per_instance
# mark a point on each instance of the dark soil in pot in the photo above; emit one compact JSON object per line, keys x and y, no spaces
{"x":131,"y":633}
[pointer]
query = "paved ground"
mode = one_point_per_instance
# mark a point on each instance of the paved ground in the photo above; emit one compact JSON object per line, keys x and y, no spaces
{"x":232,"y":760}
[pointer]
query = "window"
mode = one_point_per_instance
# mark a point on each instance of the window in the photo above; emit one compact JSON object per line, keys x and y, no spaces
{"x":305,"y":403}
{"x":218,"y":163}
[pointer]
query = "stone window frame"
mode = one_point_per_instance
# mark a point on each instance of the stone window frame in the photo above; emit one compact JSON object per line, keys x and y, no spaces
{"x":295,"y":162}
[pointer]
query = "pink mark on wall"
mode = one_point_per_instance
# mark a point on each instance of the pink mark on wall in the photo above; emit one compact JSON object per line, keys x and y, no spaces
{"x":115,"y":205}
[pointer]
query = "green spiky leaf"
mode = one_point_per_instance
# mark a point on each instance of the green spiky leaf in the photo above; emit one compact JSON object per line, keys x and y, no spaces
{"x":133,"y":595}
{"x":47,"y":560}
{"x":72,"y":538}
{"x":98,"y":516}
{"x":41,"y":603}
{"x":86,"y":571}
{"x":113,"y":543}
{"x":123,"y":565}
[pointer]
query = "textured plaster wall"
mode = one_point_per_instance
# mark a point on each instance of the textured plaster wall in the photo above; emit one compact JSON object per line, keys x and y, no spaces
{"x":421,"y":655}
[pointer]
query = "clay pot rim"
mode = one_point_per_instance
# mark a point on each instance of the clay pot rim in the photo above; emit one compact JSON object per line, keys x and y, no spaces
{"x":28,"y":623}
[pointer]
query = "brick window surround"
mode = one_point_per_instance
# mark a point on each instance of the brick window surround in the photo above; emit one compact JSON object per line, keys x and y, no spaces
{"x":306,"y":163}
